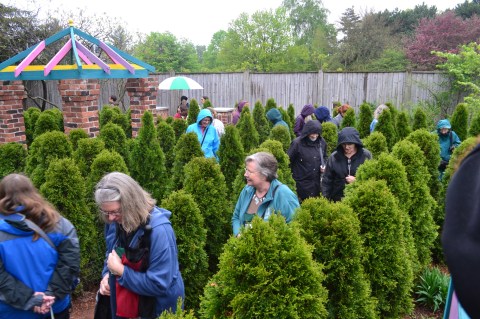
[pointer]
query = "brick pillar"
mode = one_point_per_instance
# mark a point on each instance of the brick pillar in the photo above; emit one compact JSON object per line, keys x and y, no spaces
{"x":225,"y":114}
{"x":80,"y":105}
{"x":143,"y":97}
{"x":12,"y":125}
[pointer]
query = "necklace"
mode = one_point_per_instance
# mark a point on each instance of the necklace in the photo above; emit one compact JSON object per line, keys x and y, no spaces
{"x":258,"y":200}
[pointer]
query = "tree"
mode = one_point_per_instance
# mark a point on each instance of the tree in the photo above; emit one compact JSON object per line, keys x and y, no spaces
{"x":86,"y":152}
{"x":210,"y":56}
{"x":376,"y":143}
{"x":467,"y":9}
{"x":330,"y":134}
{"x":403,"y":125}
{"x":365,"y":119}
{"x":349,"y":118}
{"x":404,"y":22}
{"x":75,"y":135}
{"x":442,"y":34}
{"x":419,"y":119}
{"x":385,"y":126}
{"x":261,"y":121}
{"x":231,"y":155}
{"x":46,"y":122}
{"x":459,"y":121}
{"x":248,"y":132}
{"x":186,"y":149}
{"x":12,"y":158}
{"x":166,"y":138}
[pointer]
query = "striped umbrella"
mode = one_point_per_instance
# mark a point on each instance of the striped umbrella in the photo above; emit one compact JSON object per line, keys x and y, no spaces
{"x":179,"y":83}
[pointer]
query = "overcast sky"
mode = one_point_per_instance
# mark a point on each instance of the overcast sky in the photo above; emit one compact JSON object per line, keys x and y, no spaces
{"x":196,"y":20}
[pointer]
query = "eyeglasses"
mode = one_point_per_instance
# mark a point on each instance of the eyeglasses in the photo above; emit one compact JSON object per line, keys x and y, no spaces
{"x":114,"y":213}
{"x":249,"y":172}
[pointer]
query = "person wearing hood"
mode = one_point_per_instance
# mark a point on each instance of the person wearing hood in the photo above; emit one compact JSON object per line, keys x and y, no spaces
{"x":39,"y":254}
{"x":322,"y":114}
{"x":141,"y":273}
{"x":206,"y":133}
{"x":308,"y":155}
{"x":238,"y":111}
{"x":306,"y":113}
{"x":274,"y":116}
{"x":448,"y":140}
{"x":343,"y":163}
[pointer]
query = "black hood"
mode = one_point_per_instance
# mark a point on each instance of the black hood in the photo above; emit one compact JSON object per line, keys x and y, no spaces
{"x":311,"y":127}
{"x":349,"y":135}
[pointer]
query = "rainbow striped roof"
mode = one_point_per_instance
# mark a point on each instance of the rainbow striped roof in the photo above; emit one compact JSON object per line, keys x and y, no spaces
{"x":87,"y":64}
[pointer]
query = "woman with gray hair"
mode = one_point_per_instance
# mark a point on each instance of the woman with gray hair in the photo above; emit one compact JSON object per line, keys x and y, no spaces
{"x":264,"y":194}
{"x":141,"y":273}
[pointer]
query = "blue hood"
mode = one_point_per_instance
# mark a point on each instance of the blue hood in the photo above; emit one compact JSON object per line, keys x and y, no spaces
{"x":444,"y":124}
{"x":274,"y":115}
{"x":203,"y":114}
{"x":322,"y":114}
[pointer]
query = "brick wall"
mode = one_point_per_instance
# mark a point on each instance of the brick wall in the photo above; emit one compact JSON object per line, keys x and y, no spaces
{"x":224,"y":114}
{"x":80,"y":105}
{"x":143,"y":97}
{"x":12,"y":125}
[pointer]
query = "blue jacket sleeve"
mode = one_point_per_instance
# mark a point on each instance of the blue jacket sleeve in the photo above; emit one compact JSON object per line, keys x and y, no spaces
{"x":287,"y":202}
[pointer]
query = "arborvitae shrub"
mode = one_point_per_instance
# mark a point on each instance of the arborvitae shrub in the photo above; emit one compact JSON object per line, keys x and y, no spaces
{"x":460,"y":121}
{"x":179,"y":314}
{"x":281,"y":133}
{"x":231,"y":155}
{"x":46,"y":122}
{"x":128,"y":114}
{"x":419,"y":119}
{"x":403,"y":125}
{"x":474,"y":129}
{"x":267,"y":272}
{"x":349,"y":118}
{"x":193,"y":111}
{"x":186,"y":148}
{"x":287,"y":120}
{"x":75,"y":135}
{"x":169,"y":120}
{"x":271,"y":104}
{"x":207,"y":104}
{"x":114,"y":138}
{"x":13,"y":157}
{"x":104,"y":163}
{"x":423,"y":205}
{"x":430,"y":147}
{"x":393,"y":115}
{"x":58,"y":115}
{"x":261,"y":122}
{"x":64,"y":187}
{"x":205,"y":181}
{"x":333,"y":229}
{"x":44,"y":149}
{"x":284,"y":171}
{"x":86,"y":152}
{"x":148,"y":160}
{"x":30,"y":117}
{"x":376,"y":143}
{"x":330,"y":135}
{"x":113,"y":114}
{"x":365,"y":119}
{"x":188,"y":222}
{"x":291,"y":114}
{"x":386,"y":261}
{"x":248,"y":132}
{"x":166,"y":137}
{"x":179,"y":127}
{"x":391,"y":170}
{"x":385,"y":126}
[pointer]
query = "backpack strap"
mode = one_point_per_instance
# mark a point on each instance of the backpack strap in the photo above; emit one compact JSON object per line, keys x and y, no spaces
{"x":39,"y":231}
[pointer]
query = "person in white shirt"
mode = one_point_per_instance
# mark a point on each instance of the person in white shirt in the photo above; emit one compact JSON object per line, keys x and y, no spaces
{"x":217,"y":124}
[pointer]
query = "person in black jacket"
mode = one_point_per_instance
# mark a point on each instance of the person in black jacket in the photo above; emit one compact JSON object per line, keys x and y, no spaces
{"x":342,"y":165}
{"x":308,"y":155}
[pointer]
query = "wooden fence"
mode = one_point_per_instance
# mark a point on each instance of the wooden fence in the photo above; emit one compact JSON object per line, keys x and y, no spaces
{"x":403,"y":89}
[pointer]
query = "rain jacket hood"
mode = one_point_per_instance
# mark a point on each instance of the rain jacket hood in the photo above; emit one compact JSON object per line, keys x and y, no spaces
{"x":349,"y":135}
{"x":203,"y":114}
{"x":311,"y":127}
{"x":322,"y":114}
{"x":443,"y":124}
{"x":307,"y":110}
{"x":274,"y":115}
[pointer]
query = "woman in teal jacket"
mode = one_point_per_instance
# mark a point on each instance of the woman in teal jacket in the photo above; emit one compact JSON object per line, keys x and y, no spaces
{"x":264,"y":194}
{"x":448,"y":140}
{"x":206,"y":133}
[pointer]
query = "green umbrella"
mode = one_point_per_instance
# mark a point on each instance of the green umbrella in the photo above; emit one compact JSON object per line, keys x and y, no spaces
{"x":179,"y":83}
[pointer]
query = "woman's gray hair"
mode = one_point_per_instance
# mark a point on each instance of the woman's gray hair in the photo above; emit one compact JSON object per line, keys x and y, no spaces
{"x":135,"y":202}
{"x":267,"y":164}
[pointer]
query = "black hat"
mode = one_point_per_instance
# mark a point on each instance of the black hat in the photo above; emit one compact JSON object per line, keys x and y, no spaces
{"x":461,"y":232}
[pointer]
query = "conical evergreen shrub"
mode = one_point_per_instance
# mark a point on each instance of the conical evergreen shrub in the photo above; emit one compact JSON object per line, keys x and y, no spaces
{"x":423,"y":205}
{"x":268,"y":272}
{"x":281,"y":133}
{"x":86,"y":152}
{"x":166,"y":137}
{"x":114,"y":138}
{"x":58,"y":115}
{"x":179,"y":127}
{"x":385,"y":126}
{"x":30,"y":118}
{"x":365,"y":119}
{"x":64,"y":187}
{"x":474,"y":129}
{"x":186,"y":148}
{"x":104,"y":163}
{"x":113,"y":114}
{"x":289,"y":121}
{"x":349,"y":118}
{"x":46,"y":122}
{"x":148,"y":160}
{"x":231,"y":155}
{"x":330,"y":135}
{"x":419,"y":119}
{"x":403,"y":125}
{"x":376,"y":143}
{"x":271,"y":104}
{"x":75,"y":135}
{"x":44,"y":149}
{"x":193,"y":111}
{"x":430,"y":147}
{"x":460,"y":121}
{"x":248,"y":133}
{"x":291,"y":114}
{"x":205,"y":182}
{"x":188,"y":222}
{"x":386,"y":261}
{"x":13,"y":157}
{"x":333,"y":229}
{"x":394,"y":115}
{"x":261,"y":122}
